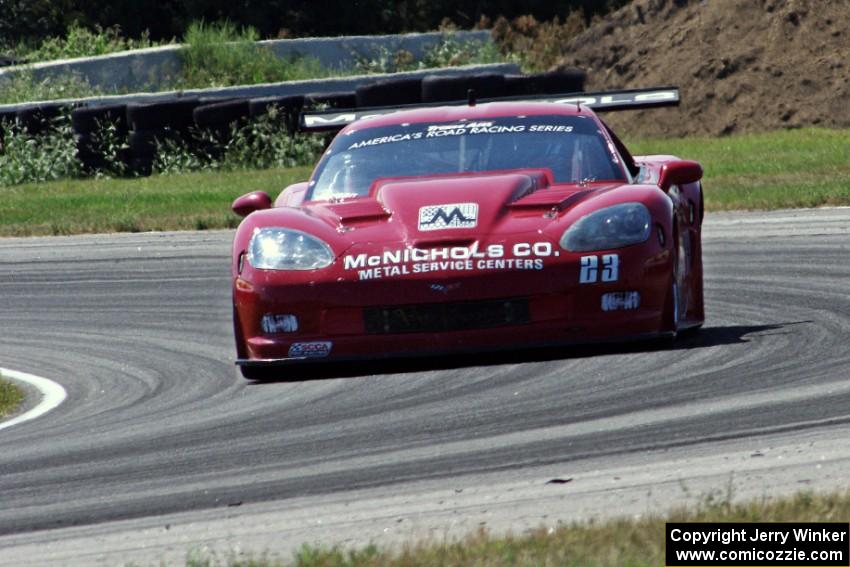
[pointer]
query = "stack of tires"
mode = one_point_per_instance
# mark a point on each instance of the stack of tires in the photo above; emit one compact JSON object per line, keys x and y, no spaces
{"x":206,"y":125}
{"x":7,"y":121}
{"x":37,"y":120}
{"x":90,"y":134}
{"x":435,"y":89}
{"x":390,"y":92}
{"x":286,"y":108}
{"x":154,"y":124}
{"x":33,"y":121}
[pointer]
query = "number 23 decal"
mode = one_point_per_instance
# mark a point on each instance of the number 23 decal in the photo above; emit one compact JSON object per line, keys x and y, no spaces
{"x":591,"y":272}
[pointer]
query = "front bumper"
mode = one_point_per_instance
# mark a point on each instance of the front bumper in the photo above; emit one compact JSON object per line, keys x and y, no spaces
{"x":337,"y":317}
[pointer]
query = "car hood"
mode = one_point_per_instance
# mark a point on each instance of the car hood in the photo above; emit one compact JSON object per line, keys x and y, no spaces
{"x":457,"y":209}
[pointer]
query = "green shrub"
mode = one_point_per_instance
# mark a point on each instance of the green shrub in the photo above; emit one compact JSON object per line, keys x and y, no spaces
{"x":221,"y":55}
{"x":44,"y":157}
{"x":538,"y":45}
{"x":111,"y":144}
{"x":10,"y":397}
{"x":22,"y":87}
{"x":263,"y":143}
{"x":450,"y":52}
{"x":81,"y":42}
{"x":384,"y":60}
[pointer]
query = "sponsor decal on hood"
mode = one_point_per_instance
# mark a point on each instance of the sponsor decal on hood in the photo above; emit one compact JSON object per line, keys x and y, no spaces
{"x":457,"y":215}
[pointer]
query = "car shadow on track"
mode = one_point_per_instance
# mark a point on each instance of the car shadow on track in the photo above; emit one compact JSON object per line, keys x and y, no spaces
{"x":702,"y":338}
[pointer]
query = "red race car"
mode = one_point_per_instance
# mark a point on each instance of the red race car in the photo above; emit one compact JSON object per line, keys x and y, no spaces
{"x":469,"y":227}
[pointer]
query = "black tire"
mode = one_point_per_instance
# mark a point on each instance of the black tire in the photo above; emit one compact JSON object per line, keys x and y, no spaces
{"x":140,"y":165}
{"x":391,"y":92}
{"x":518,"y":85}
{"x":174,"y":114}
{"x":7,"y":122}
{"x":90,"y":154}
{"x":86,"y":149}
{"x":438,"y":88}
{"x":332,"y":100}
{"x":143,"y":143}
{"x":37,"y":119}
{"x":558,"y":82}
{"x":204,"y":100}
{"x":7,"y":117}
{"x":221,"y":114}
{"x":86,"y":119}
{"x":260,"y":106}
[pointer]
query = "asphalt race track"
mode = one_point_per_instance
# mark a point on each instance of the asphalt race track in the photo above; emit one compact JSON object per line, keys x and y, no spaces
{"x":160,"y":448}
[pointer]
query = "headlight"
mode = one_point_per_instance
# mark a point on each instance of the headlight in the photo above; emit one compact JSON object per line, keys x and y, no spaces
{"x":611,"y":227}
{"x":287,"y":249}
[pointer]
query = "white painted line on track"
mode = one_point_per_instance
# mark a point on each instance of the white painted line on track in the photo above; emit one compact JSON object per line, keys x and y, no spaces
{"x":52,"y":394}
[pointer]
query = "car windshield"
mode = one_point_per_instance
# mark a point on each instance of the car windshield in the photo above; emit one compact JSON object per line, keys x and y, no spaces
{"x":571,"y":147}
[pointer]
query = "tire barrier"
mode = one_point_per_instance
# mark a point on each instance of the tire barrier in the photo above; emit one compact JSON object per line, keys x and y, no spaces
{"x":390,"y":92}
{"x":219,"y":116}
{"x":557,"y":82}
{"x":86,"y":120}
{"x":330,"y":100}
{"x":260,"y":106}
{"x":176,"y":115}
{"x":288,"y":106}
{"x":518,"y":85}
{"x":36,"y":119}
{"x":154,"y":123}
{"x":205,"y":124}
{"x":7,"y":120}
{"x":437,"y":88}
{"x":90,"y":124}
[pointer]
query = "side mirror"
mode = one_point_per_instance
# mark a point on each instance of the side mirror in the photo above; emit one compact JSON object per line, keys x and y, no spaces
{"x":679,"y":172}
{"x":247,"y":204}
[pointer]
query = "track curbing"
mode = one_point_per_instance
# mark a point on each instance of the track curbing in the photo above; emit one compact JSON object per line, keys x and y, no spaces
{"x":52,"y":395}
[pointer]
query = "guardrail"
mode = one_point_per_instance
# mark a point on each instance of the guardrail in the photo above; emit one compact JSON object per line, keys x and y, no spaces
{"x":268,"y":89}
{"x":155,"y":67}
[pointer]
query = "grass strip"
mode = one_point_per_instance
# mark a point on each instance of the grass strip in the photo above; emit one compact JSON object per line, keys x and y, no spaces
{"x":773,"y":170}
{"x":611,"y":543}
{"x":783,"y":169}
{"x":10,"y":397}
{"x":192,"y":201}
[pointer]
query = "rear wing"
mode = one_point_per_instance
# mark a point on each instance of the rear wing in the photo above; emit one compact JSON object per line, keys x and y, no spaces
{"x":632,"y":99}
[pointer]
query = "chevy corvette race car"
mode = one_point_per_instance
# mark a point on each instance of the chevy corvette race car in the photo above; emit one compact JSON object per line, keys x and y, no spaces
{"x":469,"y":227}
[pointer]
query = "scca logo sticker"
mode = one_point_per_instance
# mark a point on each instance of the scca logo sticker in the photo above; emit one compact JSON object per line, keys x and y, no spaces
{"x":319,"y":349}
{"x":457,"y":215}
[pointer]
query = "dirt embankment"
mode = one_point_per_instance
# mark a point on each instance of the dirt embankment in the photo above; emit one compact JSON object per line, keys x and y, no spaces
{"x":742,"y":65}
